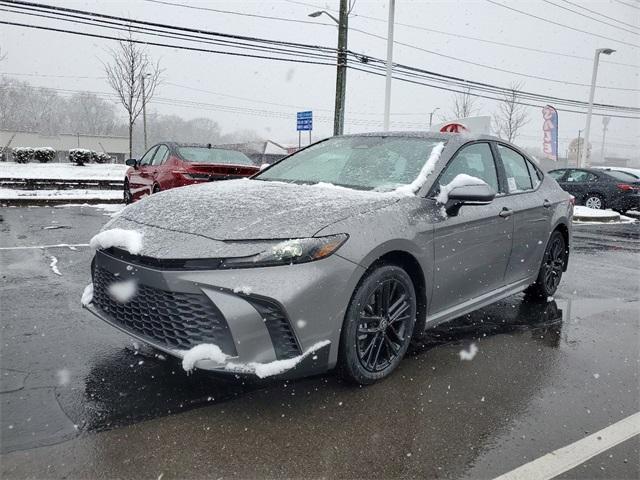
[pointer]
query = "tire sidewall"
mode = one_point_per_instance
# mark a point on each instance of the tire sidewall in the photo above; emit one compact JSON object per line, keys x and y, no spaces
{"x":349,"y":363}
{"x":541,"y":288}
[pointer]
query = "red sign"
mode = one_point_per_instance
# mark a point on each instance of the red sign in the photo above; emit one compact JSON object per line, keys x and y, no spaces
{"x":454,"y":128}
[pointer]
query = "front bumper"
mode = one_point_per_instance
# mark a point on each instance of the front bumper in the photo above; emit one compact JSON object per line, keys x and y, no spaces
{"x":313,"y":298}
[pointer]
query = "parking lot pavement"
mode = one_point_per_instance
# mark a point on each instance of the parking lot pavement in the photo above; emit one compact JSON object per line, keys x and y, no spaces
{"x":80,"y":400}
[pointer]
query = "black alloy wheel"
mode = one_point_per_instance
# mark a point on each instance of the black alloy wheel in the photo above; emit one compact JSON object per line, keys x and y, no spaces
{"x":553,"y":264}
{"x":379,"y":325}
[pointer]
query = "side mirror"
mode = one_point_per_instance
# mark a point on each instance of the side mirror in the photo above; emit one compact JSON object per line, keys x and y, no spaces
{"x":132,"y":162}
{"x":479,"y":194}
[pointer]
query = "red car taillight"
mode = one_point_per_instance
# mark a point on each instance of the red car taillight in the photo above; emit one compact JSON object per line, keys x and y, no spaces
{"x":625,"y":187}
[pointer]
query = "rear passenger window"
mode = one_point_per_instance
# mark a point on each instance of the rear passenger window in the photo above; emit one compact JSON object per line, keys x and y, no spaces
{"x":557,"y":174}
{"x":516,"y":168}
{"x":581,"y":176}
{"x":475,"y":160}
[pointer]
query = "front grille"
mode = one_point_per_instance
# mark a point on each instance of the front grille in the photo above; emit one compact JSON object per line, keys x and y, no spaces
{"x":177,"y":320}
{"x":284,"y":340}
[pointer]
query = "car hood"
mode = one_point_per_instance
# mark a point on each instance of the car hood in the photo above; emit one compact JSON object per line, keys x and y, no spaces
{"x":250,"y":209}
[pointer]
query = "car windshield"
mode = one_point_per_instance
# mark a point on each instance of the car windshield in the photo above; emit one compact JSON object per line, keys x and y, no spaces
{"x":624,"y":176}
{"x":214,"y":155}
{"x":378,"y":163}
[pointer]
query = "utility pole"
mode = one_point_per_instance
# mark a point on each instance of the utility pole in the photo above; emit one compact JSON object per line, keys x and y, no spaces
{"x":605,"y":125}
{"x":387,"y":88}
{"x":587,"y":128}
{"x":578,"y":153}
{"x":341,"y":74}
{"x":144,"y":109}
{"x":431,"y":116}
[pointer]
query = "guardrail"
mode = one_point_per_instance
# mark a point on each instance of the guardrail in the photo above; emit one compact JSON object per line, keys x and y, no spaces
{"x":60,"y":184}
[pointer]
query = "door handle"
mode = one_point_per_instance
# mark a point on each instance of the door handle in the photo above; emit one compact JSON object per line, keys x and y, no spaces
{"x":546,"y":203}
{"x":505,"y":212}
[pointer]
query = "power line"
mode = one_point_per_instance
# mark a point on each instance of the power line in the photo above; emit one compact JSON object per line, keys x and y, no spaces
{"x":601,"y":14}
{"x":626,"y":4}
{"x":475,"y":39}
{"x":590,"y":17}
{"x":466,"y":83}
{"x":561,"y":24}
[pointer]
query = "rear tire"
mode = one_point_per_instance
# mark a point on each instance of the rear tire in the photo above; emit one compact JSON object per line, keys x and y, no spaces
{"x":553,"y":263}
{"x":378,"y":325}
{"x":128,"y":197}
{"x":593,"y":200}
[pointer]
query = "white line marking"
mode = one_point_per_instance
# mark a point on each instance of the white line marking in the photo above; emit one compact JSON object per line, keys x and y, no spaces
{"x":565,"y":458}
{"x":72,"y":246}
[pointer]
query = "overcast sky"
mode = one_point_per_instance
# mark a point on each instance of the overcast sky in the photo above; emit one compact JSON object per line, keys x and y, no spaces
{"x":69,"y":62}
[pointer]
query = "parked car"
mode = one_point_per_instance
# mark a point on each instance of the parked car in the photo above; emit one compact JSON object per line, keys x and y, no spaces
{"x":336,"y":256}
{"x":169,"y":165}
{"x":634,"y":172}
{"x":595,"y":188}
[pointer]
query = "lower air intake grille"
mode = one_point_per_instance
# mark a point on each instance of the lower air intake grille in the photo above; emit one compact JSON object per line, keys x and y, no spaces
{"x":177,"y":320}
{"x":282,"y":336}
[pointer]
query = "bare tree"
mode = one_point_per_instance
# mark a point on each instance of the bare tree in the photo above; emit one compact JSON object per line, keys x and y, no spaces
{"x":464,"y":105}
{"x":511,"y":116}
{"x":129,"y":62}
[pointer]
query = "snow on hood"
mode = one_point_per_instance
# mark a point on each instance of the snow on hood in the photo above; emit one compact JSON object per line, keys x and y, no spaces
{"x":250,"y":209}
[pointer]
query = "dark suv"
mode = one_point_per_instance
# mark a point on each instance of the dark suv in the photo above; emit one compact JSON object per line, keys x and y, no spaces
{"x":595,"y":188}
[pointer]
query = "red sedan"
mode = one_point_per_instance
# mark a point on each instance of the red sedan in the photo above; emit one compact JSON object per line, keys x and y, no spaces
{"x":169,"y":165}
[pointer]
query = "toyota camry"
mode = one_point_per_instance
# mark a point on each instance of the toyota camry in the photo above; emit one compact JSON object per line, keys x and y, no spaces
{"x":338,"y":256}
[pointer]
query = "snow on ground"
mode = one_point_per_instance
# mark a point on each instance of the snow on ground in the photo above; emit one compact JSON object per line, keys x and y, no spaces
{"x":63,"y":171}
{"x":592,"y":216}
{"x":130,"y":240}
{"x":580,"y":211}
{"x":87,"y":295}
{"x":462,"y":180}
{"x":54,"y":265}
{"x":111,"y":209}
{"x":11,"y":194}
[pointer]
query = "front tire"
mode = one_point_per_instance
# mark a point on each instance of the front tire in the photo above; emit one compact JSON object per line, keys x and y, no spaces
{"x":553,"y":263}
{"x":378,"y":325}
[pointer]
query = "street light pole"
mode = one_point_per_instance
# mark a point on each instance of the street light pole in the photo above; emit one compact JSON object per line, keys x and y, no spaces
{"x":144,"y":108}
{"x":431,"y":116}
{"x":605,"y":125}
{"x":607,"y":51}
{"x":578,"y":153}
{"x":387,"y":89}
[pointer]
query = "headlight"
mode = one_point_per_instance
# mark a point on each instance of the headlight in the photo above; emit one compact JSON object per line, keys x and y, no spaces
{"x":298,"y":250}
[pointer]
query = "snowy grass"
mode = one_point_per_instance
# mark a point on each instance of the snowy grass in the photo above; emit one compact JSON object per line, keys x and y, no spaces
{"x":62,"y":171}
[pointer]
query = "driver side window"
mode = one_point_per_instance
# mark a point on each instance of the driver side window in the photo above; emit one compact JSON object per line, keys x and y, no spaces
{"x":146,"y":159}
{"x":475,"y":160}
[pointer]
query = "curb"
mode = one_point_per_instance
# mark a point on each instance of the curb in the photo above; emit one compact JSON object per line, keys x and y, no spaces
{"x":613,"y":217}
{"x":43,"y":202}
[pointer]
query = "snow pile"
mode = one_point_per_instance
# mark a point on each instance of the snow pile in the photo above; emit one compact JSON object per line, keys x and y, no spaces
{"x":67,"y":195}
{"x":208,"y":351}
{"x":63,"y":171}
{"x":130,"y":240}
{"x":87,"y":295}
{"x":427,"y":170}
{"x":123,"y":291}
{"x":54,"y":265}
{"x":469,"y":354}
{"x":263,"y":370}
{"x":204,"y":351}
{"x":580,"y":211}
{"x":461,"y":180}
{"x":243,"y":289}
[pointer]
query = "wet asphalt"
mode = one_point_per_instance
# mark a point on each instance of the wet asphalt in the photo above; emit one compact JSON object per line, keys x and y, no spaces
{"x":79,"y":400}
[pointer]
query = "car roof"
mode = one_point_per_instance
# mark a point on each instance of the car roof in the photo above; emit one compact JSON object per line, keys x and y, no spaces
{"x":466,"y":136}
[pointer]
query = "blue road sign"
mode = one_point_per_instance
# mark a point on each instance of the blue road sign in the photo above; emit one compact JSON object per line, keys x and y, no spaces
{"x":305,"y":121}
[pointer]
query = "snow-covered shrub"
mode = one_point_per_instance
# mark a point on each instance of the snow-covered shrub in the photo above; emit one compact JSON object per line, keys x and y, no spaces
{"x":80,"y":156}
{"x":101,"y":157}
{"x":44,"y":155}
{"x":23,"y":154}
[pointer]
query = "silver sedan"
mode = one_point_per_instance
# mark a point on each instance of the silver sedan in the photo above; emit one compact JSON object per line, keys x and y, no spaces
{"x":337,"y":256}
